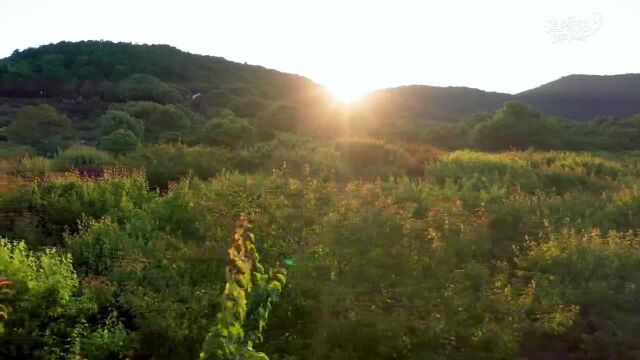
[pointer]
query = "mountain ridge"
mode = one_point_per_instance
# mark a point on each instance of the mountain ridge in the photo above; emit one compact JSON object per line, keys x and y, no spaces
{"x":95,"y":68}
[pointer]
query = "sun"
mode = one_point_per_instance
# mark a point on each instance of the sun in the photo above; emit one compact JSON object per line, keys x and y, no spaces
{"x":346,"y":92}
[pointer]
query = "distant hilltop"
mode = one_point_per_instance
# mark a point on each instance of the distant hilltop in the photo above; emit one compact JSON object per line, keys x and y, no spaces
{"x":94,"y":69}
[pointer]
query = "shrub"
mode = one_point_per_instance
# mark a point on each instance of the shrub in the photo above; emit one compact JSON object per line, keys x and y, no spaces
{"x":227,"y":130}
{"x":78,"y":156}
{"x":32,"y":166}
{"x":372,"y":158}
{"x":42,"y":128}
{"x":169,"y":162}
{"x":296,"y":155}
{"x":114,"y":120}
{"x":138,"y":87}
{"x":120,"y":142}
{"x":585,"y":290}
{"x":63,"y":200}
{"x":48,"y":306}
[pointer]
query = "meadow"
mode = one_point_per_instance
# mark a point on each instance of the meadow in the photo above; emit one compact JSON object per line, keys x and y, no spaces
{"x":483,"y":255}
{"x":156,"y":204}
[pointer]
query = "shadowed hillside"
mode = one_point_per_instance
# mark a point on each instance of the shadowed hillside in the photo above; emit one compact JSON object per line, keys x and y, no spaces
{"x":584,"y":97}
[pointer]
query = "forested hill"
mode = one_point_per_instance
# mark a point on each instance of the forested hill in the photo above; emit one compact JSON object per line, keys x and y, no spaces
{"x":432,"y":103}
{"x":114,"y":72}
{"x":96,"y":68}
{"x":584,"y":97}
{"x":578,"y":97}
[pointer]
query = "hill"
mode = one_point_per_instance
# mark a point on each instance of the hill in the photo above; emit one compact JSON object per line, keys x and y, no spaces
{"x":584,"y":97}
{"x":83,"y":78}
{"x":432,"y":103}
{"x":578,"y":97}
{"x":87,"y":67}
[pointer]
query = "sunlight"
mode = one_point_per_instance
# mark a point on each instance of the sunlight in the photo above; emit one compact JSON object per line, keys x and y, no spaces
{"x":347,"y":92}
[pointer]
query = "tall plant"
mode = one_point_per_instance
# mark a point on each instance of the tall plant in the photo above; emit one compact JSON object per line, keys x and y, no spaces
{"x":5,"y":292}
{"x":246,"y":301}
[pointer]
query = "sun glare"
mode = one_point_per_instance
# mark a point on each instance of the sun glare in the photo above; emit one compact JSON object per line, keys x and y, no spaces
{"x":346,"y":93}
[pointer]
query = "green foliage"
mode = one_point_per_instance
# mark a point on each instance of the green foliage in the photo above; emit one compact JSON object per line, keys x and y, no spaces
{"x":119,"y":142}
{"x":143,"y":72}
{"x":62,"y":201}
{"x":5,"y":294}
{"x":9,"y":151}
{"x":140,"y":87}
{"x":160,"y":119}
{"x":42,"y":128}
{"x":32,"y":166}
{"x":278,"y":118}
{"x":585,"y":281}
{"x":227,"y":130}
{"x":78,"y":156}
{"x":114,"y":120}
{"x":295,"y":155}
{"x":165,"y":163}
{"x":372,"y":158}
{"x":49,"y":307}
{"x":249,"y":106}
{"x":246,"y":302}
{"x":515,"y":125}
{"x":489,"y":256}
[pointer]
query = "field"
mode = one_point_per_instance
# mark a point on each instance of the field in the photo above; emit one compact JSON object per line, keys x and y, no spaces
{"x":157,"y":204}
{"x":481,"y":255}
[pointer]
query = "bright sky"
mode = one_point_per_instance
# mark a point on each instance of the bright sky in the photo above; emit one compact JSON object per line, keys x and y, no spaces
{"x":355,"y":46}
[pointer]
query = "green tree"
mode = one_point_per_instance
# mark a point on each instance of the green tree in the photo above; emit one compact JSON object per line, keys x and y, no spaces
{"x":146,"y":87}
{"x":279,"y":117}
{"x":114,"y":120}
{"x":515,"y":125}
{"x":160,"y":119}
{"x":120,"y":142}
{"x":228,"y":130}
{"x":42,"y":128}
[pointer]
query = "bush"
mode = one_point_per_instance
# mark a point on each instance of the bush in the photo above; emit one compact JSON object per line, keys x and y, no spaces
{"x":160,"y":119}
{"x":48,"y":308}
{"x":114,"y":120}
{"x":42,"y":128}
{"x":165,"y":163}
{"x":371,"y":158}
{"x":120,"y":142}
{"x":296,"y":155}
{"x":227,"y":130}
{"x":139,"y":87}
{"x":33,"y":166}
{"x":586,"y":282}
{"x":64,"y":200}
{"x":78,"y":156}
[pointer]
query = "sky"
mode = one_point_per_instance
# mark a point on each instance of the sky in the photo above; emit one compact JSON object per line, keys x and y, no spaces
{"x":356,"y":46}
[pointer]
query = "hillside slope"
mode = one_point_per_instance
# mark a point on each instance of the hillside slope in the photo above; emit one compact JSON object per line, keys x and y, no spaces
{"x":106,"y":72}
{"x":584,"y":97}
{"x":432,"y":103}
{"x":68,"y":68}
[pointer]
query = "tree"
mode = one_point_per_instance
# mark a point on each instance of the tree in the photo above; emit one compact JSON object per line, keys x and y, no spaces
{"x":160,"y":119}
{"x":146,"y":87}
{"x":227,"y":129}
{"x":279,"y":117}
{"x":249,"y":106}
{"x":114,"y":120}
{"x":120,"y":142}
{"x":515,"y":125}
{"x":42,"y":128}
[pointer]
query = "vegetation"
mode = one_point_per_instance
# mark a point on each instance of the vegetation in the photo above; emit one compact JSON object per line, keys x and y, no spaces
{"x":42,"y":128}
{"x":507,"y":234}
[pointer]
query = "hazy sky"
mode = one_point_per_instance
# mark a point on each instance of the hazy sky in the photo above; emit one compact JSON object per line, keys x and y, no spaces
{"x":355,"y":46}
